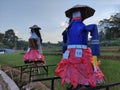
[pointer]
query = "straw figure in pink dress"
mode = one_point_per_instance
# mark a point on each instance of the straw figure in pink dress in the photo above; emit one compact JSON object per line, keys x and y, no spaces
{"x":79,"y":65}
{"x":34,"y":52}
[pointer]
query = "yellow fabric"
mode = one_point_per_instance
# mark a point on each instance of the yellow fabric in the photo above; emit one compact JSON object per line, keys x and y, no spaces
{"x":94,"y":60}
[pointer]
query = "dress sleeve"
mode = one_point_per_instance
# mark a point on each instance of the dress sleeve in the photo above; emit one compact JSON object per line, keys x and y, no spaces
{"x":95,"y":45}
{"x":39,"y":45}
{"x":64,"y":46}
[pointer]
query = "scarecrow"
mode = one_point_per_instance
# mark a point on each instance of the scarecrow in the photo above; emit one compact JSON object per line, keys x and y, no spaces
{"x":79,"y":65}
{"x":34,"y":52}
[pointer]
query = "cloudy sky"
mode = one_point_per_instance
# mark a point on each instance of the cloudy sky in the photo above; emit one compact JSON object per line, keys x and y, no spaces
{"x":19,"y":15}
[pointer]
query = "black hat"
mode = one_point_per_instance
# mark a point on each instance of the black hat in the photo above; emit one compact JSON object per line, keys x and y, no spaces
{"x":35,"y":27}
{"x":85,"y":10}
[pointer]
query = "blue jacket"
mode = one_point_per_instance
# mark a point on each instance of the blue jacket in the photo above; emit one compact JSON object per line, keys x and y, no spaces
{"x":78,"y":35}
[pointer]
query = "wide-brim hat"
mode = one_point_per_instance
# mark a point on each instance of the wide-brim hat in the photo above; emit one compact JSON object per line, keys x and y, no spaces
{"x":85,"y":10}
{"x":35,"y":27}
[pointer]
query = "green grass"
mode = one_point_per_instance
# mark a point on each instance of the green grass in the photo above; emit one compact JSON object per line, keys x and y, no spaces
{"x":111,"y":47}
{"x":110,"y":68}
{"x":111,"y":71}
{"x":12,"y":59}
{"x":110,"y":53}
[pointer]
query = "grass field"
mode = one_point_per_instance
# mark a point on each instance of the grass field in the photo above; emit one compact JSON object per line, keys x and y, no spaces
{"x":109,"y":67}
{"x":110,"y":54}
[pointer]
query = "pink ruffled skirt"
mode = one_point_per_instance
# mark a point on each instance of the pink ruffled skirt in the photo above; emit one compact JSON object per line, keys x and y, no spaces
{"x":33,"y":56}
{"x":79,"y":70}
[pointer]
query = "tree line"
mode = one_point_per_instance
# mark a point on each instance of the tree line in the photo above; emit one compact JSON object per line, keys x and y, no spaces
{"x":109,"y":31}
{"x":10,"y":40}
{"x":110,"y":28}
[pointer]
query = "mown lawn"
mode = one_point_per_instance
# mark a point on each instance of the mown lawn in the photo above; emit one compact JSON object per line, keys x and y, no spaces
{"x":110,"y":68}
{"x":110,"y":54}
{"x":12,"y":59}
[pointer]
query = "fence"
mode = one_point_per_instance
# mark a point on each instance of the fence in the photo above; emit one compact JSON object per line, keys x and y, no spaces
{"x":29,"y":69}
{"x":106,"y":87}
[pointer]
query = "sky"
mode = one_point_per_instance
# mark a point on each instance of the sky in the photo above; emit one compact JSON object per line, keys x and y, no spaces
{"x":19,"y":15}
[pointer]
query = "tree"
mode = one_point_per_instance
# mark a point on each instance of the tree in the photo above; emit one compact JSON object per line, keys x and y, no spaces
{"x":111,"y":26}
{"x":1,"y":37}
{"x":1,"y":40}
{"x":22,"y":45}
{"x":101,"y":35}
{"x":10,"y":39}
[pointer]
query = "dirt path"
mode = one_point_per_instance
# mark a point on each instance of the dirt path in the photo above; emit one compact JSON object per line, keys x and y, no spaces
{"x":15,"y":75}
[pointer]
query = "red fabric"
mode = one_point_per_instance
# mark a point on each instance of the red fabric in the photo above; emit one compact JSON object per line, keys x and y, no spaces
{"x":33,"y":55}
{"x":76,"y":18}
{"x":76,"y":70}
